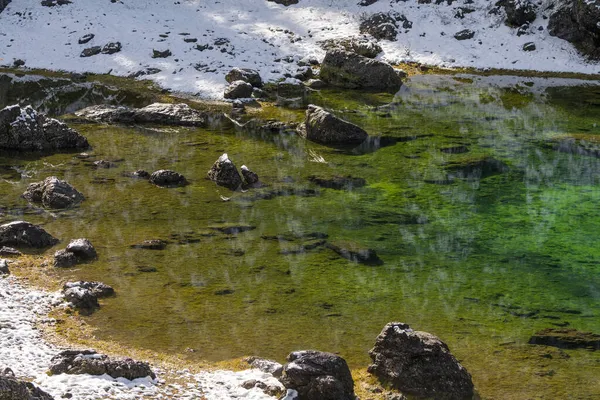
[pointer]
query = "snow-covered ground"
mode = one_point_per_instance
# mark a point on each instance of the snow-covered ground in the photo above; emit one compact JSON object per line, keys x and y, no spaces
{"x":262,"y":35}
{"x":24,"y":350}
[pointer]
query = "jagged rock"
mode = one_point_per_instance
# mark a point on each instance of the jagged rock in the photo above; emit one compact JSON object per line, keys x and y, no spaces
{"x":86,"y":38}
{"x":91,"y":51}
{"x":156,"y":113}
{"x":248,"y":75}
{"x":84,"y":295}
{"x":355,"y":252}
{"x":89,"y":362}
{"x":161,"y":53}
{"x":14,"y":389}
{"x":251,"y":178}
{"x":64,"y":259}
{"x":4,"y":269}
{"x":353,"y":71}
{"x":518,"y":12}
{"x":224,"y":173}
{"x":577,"y":22}
{"x":465,"y":34}
{"x":150,"y":244}
{"x":167,"y":178}
{"x":380,"y":26}
{"x":323,"y":127}
{"x":21,"y":233}
{"x":9,"y":252}
{"x":83,"y":249}
{"x":476,"y":168}
{"x":419,"y":364}
{"x":268,"y":366}
{"x":566,"y":339}
{"x":98,"y":289}
{"x":53,"y":193}
{"x":111,"y":48}
{"x":317,"y":375}
{"x":238,"y":90}
{"x":24,"y":129}
{"x":338,"y":182}
{"x":285,"y":2}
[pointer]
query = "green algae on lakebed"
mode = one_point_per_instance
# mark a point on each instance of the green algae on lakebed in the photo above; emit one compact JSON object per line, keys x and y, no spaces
{"x":487,"y":233}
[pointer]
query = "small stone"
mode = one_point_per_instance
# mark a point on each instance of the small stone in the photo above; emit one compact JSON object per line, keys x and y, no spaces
{"x":64,"y":259}
{"x":111,"y":48}
{"x":4,"y":267}
{"x":464,"y":34}
{"x":86,"y":38}
{"x":83,"y":249}
{"x":91,"y":51}
{"x":238,"y":90}
{"x":167,"y":178}
{"x":530,"y":46}
{"x":151,"y":244}
{"x":161,"y":54}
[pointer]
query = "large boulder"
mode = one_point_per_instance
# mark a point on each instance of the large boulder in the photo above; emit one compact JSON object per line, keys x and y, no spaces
{"x":350,"y":70}
{"x":566,"y":338}
{"x":323,"y":127}
{"x":418,"y":364}
{"x":24,"y":129}
{"x":224,"y":173}
{"x":53,"y":193}
{"x":83,"y":249}
{"x":576,"y":21}
{"x":21,"y":233}
{"x":156,"y":113}
{"x":89,"y":362}
{"x":317,"y":375}
{"x":518,"y":12}
{"x":248,"y":75}
{"x":14,"y":389}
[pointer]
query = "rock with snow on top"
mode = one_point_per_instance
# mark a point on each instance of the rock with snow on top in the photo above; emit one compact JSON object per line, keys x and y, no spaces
{"x":111,"y":48}
{"x":224,"y":173}
{"x":86,"y":38}
{"x":12,"y":388}
{"x":238,"y":90}
{"x":99,"y":289}
{"x":91,"y":51}
{"x":530,"y":46}
{"x":248,"y":75}
{"x":380,"y":26}
{"x":83,"y":249}
{"x":9,"y":252}
{"x":518,"y":12}
{"x":161,"y":53}
{"x":90,"y":362}
{"x":465,"y":34}
{"x":286,"y":3}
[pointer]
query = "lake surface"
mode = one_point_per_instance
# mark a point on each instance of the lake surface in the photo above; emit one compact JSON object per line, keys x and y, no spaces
{"x":483,"y":207}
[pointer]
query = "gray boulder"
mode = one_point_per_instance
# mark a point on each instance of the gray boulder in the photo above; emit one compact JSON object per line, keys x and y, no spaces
{"x":577,"y":22}
{"x":89,"y":362}
{"x":9,"y":252}
{"x":83,"y":249}
{"x":3,"y":4}
{"x":250,"y":178}
{"x":21,"y":233}
{"x":323,"y":127}
{"x":418,"y":364}
{"x":380,"y":26}
{"x":84,"y":295}
{"x":360,"y":45}
{"x":4,"y":267}
{"x":53,"y":193}
{"x":13,"y":389}
{"x":24,"y":129}
{"x":268,"y":366}
{"x":350,"y":70}
{"x":64,"y":259}
{"x":224,"y":173}
{"x":248,"y":75}
{"x":238,"y":90}
{"x":317,"y":375}
{"x":355,"y":252}
{"x":156,"y":113}
{"x":167,"y":178}
{"x":518,"y":12}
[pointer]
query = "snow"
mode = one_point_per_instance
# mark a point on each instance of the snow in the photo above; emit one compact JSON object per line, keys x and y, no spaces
{"x":264,"y":36}
{"x":25,"y":351}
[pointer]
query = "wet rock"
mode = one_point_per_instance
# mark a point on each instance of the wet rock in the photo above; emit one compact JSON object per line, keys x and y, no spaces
{"x":139,"y":174}
{"x":167,"y":178}
{"x":248,"y":75}
{"x":529,"y":46}
{"x":224,"y":173}
{"x":4,"y":268}
{"x":465,"y":34}
{"x":91,"y":51}
{"x":99,"y":289}
{"x":518,"y":12}
{"x":355,"y":252}
{"x":285,"y":2}
{"x":111,"y":48}
{"x":86,"y":38}
{"x":317,"y":375}
{"x":419,"y":364}
{"x":250,"y":178}
{"x":350,"y":70}
{"x":21,"y":233}
{"x":338,"y":182}
{"x":89,"y":362}
{"x":475,"y":169}
{"x":64,"y":259}
{"x":566,"y":339}
{"x":161,"y":53}
{"x":380,"y":26}
{"x":233,"y":229}
{"x":24,"y":129}
{"x":53,"y":193}
{"x":238,"y":90}
{"x":14,"y":389}
{"x":323,"y":127}
{"x":83,"y":249}
{"x":9,"y":252}
{"x":151,"y":244}
{"x":267,"y":366}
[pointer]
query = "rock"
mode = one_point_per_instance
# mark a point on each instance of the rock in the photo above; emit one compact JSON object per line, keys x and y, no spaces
{"x":530,"y":46}
{"x":64,"y":259}
{"x":14,"y":389}
{"x":285,"y":2}
{"x":156,"y":113}
{"x":18,"y":63}
{"x":577,"y":22}
{"x":338,"y":182}
{"x":238,"y":90}
{"x":161,"y":53}
{"x":224,"y":173}
{"x":111,"y":48}
{"x":418,"y":364}
{"x":167,"y":178}
{"x":248,"y":75}
{"x":304,"y":73}
{"x":81,"y":298}
{"x":4,"y":268}
{"x":9,"y":252}
{"x":53,"y":193}
{"x":317,"y":375}
{"x":232,"y":229}
{"x":83,"y":249}
{"x":250,"y":178}
{"x":3,"y":4}
{"x":465,"y":34}
{"x":360,"y":45}
{"x":140,"y":174}
{"x":365,"y":3}
{"x":24,"y":129}
{"x":566,"y":339}
{"x":315,"y":84}
{"x":267,"y":366}
{"x":353,"y":71}
{"x":146,"y":71}
{"x":104,"y":164}
{"x":518,"y":12}
{"x":86,"y":38}
{"x":98,"y":289}
{"x":89,"y":362}
{"x":291,"y":93}
{"x":21,"y":233}
{"x":355,"y":253}
{"x":151,"y":244}
{"x":380,"y":26}
{"x":475,"y":168}
{"x":323,"y":127}
{"x":91,"y":51}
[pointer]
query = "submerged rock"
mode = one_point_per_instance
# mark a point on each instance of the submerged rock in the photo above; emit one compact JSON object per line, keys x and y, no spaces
{"x":24,"y":129}
{"x":232,"y":229}
{"x":156,"y":113}
{"x":167,"y":178}
{"x":475,"y":168}
{"x":22,"y":233}
{"x":338,"y":182}
{"x":355,"y":253}
{"x":53,"y":193}
{"x":566,"y":339}
{"x":317,"y":375}
{"x":323,"y":127}
{"x":418,"y":364}
{"x":224,"y":173}
{"x":90,"y":362}
{"x":14,"y":389}
{"x":151,"y":244}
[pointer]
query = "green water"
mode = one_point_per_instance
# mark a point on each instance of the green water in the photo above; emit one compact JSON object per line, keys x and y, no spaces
{"x":483,"y":260}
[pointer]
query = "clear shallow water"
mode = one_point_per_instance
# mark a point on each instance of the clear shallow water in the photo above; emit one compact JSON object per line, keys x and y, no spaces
{"x":482,"y":260}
